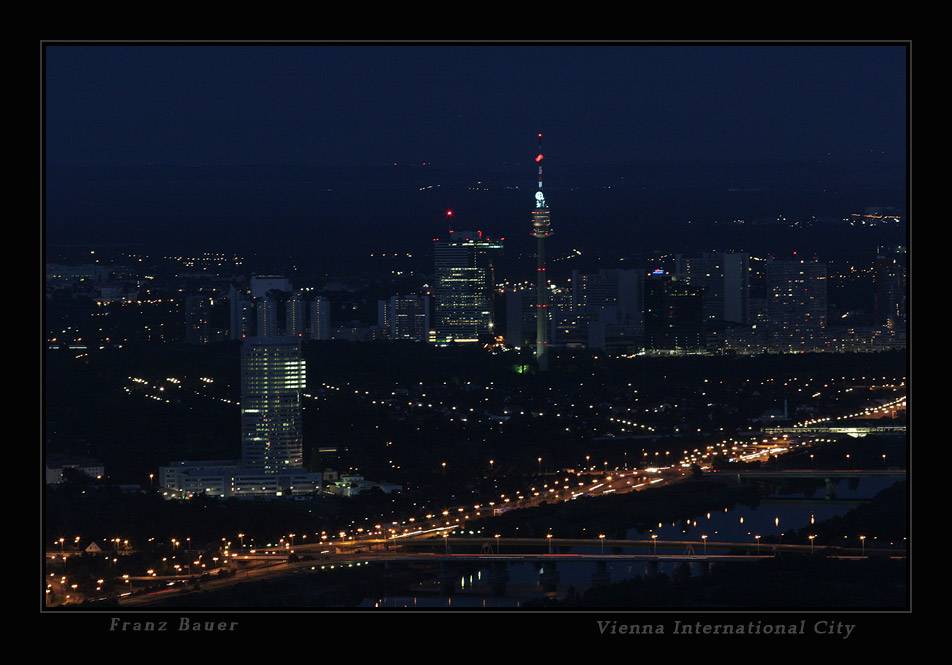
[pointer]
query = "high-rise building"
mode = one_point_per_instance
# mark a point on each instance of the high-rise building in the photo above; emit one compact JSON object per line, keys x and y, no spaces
{"x":608,"y":305}
{"x":541,"y":229}
{"x":272,"y":380}
{"x":757,"y":301}
{"x":736,"y":273}
{"x":519,"y":316}
{"x":319,"y":326}
{"x":796,"y":304}
{"x":295,"y":310}
{"x":267,"y":308}
{"x":674,"y":313}
{"x":404,"y":317}
{"x":725,"y":279}
{"x":614,"y":294}
{"x":464,"y":267}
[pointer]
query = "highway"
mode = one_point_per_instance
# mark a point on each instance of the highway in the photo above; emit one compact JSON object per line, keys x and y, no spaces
{"x":806,"y":473}
{"x":403,"y":541}
{"x":499,"y":544}
{"x":850,"y":431}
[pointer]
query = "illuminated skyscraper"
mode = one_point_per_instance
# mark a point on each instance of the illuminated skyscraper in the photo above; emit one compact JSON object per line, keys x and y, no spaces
{"x":272,"y":379}
{"x":465,"y":281}
{"x":541,"y":229}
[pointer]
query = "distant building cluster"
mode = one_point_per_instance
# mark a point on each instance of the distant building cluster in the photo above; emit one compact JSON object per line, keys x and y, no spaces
{"x":270,"y":307}
{"x":726,"y":301}
{"x":713,"y":302}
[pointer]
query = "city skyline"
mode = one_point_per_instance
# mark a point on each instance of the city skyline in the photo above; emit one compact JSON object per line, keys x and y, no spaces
{"x":477,"y":327}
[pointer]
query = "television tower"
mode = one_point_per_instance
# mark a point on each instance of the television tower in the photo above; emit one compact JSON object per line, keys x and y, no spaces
{"x":541,"y":229}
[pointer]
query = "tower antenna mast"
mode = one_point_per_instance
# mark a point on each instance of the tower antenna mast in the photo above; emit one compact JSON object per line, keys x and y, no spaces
{"x":541,"y":229}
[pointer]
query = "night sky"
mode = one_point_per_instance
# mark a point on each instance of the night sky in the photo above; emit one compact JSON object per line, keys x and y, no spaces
{"x":471,"y":110}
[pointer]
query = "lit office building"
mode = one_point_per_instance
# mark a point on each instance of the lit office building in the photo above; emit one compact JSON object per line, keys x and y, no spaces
{"x":271,"y":464}
{"x":227,"y":478}
{"x":272,"y":379}
{"x":465,"y":280}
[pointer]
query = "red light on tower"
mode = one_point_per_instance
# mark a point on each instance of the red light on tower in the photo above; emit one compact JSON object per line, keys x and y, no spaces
{"x":449,"y":213}
{"x":538,"y":158}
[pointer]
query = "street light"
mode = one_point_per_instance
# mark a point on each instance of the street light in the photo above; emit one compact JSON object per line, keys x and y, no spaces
{"x":757,"y":538}
{"x":497,"y":537}
{"x":601,"y":537}
{"x":811,"y":537}
{"x":654,"y":543}
{"x":862,"y":541}
{"x":548,"y":537}
{"x":704,"y":539}
{"x":446,"y":542}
